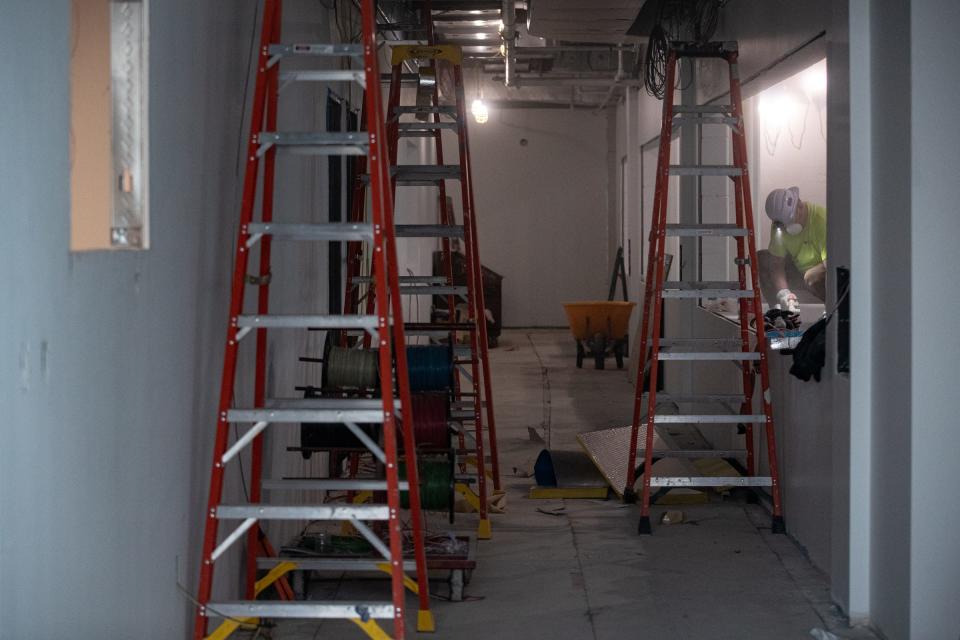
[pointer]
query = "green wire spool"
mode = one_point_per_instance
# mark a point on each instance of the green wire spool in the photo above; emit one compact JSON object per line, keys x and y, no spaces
{"x":436,"y":483}
{"x":346,"y":368}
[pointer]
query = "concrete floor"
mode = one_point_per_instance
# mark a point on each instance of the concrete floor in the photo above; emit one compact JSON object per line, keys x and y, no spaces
{"x":586,"y":574}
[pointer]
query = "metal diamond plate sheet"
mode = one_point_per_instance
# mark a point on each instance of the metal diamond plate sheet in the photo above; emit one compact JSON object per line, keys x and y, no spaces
{"x":609,"y":450}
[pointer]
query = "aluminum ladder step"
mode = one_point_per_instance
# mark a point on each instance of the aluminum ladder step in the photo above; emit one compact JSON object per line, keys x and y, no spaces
{"x":702,"y":108}
{"x":428,"y":231}
{"x":407,"y":280}
{"x":279,"y":51}
{"x":710,"y":481}
{"x":694,"y":454}
{"x":688,"y":230}
{"x":322,"y":143}
{"x":304,"y":512}
{"x":299,"y":609}
{"x":318,"y":415}
{"x":705,"y":289}
{"x":704,"y":349}
{"x":308,"y":563}
{"x":328,"y":484}
{"x":308,"y":322}
{"x":324,"y":75}
{"x":709,"y":419}
{"x":707,"y":398}
{"x":448,"y":110}
{"x":424,"y":129}
{"x":424,"y":175}
{"x":704,"y":170}
{"x":332,"y":231}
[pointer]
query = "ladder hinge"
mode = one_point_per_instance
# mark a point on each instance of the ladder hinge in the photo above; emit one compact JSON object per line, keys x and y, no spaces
{"x":742,"y":261}
{"x":259,"y":280}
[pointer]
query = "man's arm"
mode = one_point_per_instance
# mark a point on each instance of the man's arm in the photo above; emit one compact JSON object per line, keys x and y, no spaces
{"x":778,"y":272}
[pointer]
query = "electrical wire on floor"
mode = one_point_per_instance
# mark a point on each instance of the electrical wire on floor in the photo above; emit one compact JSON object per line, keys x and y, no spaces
{"x":545,"y":397}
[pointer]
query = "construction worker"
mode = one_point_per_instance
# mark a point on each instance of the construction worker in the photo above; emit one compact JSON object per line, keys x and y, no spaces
{"x":797,"y":254}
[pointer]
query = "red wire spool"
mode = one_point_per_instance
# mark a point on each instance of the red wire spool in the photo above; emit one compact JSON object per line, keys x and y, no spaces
{"x":431,"y":420}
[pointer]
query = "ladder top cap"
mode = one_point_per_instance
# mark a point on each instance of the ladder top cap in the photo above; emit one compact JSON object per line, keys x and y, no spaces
{"x":403,"y":52}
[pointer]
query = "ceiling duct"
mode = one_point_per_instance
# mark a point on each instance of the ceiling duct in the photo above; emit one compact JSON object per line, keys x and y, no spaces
{"x":578,"y":21}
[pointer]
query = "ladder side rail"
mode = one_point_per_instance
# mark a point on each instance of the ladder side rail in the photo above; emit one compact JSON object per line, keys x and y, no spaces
{"x":469,"y":246}
{"x":740,"y":141}
{"x":205,"y":585}
{"x":663,"y":167}
{"x":378,"y":183}
{"x":745,"y":305}
{"x":477,"y":269}
{"x":651,"y":287}
{"x":263,"y":306}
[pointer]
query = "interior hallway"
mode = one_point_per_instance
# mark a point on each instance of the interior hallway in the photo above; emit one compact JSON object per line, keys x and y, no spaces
{"x":586,"y":574}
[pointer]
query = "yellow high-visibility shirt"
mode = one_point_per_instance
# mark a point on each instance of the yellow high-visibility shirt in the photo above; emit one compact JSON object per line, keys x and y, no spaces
{"x":808,"y":248}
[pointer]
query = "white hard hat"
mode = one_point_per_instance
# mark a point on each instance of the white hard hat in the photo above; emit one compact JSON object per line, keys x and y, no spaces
{"x":781,"y":205}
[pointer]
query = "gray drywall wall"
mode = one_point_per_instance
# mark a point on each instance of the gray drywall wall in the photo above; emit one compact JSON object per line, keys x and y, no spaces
{"x":111,"y":360}
{"x":890,"y":307}
{"x":540,"y":184}
{"x":934,"y":152}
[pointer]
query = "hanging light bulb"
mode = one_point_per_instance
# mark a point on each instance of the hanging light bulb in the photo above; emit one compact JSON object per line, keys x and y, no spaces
{"x":479,"y":110}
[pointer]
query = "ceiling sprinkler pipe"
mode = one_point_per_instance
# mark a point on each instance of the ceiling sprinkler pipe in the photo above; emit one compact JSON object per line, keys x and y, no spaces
{"x":509,"y":33}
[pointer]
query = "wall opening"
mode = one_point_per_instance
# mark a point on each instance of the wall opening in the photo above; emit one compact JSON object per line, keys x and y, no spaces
{"x":108,"y":125}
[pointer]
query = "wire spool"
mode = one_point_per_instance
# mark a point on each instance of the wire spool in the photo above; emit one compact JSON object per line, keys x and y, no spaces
{"x":436,"y":483}
{"x":431,"y":420}
{"x":323,"y":436}
{"x":430,"y":367}
{"x":346,"y":368}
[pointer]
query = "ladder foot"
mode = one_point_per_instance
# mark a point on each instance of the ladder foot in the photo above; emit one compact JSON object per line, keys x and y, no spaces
{"x":777,"y":525}
{"x":483,"y":530}
{"x":644,"y":527}
{"x":629,"y":496}
{"x":425,"y":621}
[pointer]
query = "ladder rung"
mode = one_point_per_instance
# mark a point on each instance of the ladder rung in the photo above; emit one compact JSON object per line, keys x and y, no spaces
{"x":709,"y":419}
{"x":700,"y":118}
{"x":304,"y":414}
{"x":316,"y":143}
{"x":401,"y":26}
{"x":414,"y":174}
{"x":284,"y":50}
{"x":687,"y":230}
{"x":694,"y":454}
{"x":704,"y":170}
{"x":702,"y":108}
{"x":699,"y":398}
{"x":433,"y":290}
{"x":692,"y":342}
{"x":708,"y":355}
{"x":304,"y":512}
{"x":449,"y":110}
{"x":334,"y":231}
{"x":330,"y":564}
{"x":299,"y":609}
{"x":710,"y":481}
{"x":706,"y":289}
{"x":406,"y":280}
{"x":328,"y":484}
{"x":308,"y":322}
{"x":325,"y":75}
{"x":424,"y":129}
{"x":428,"y":231}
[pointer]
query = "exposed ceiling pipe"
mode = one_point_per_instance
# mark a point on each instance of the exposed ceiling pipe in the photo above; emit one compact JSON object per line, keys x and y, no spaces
{"x":621,"y":75}
{"x":509,"y":17}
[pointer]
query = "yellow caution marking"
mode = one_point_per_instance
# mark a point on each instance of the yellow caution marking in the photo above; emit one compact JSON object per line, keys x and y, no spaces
{"x":371,"y":628}
{"x":408,"y":582}
{"x":483,"y":530}
{"x":472,"y":499}
{"x":425,"y":621}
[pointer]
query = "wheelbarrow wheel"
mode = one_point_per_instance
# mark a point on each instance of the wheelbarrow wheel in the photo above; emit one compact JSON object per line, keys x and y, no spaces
{"x":580,"y":355}
{"x":599,"y":351}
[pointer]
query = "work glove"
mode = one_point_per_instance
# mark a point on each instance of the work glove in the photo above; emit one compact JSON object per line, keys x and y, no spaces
{"x":788,"y":301}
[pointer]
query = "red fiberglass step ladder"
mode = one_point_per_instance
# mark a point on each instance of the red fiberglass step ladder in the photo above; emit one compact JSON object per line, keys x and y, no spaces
{"x":752,"y":359}
{"x":382,"y":324}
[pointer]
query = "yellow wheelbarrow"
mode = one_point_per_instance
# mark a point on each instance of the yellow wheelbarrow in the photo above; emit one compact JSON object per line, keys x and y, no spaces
{"x":600,"y":329}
